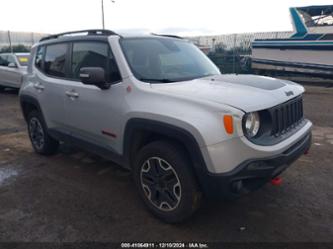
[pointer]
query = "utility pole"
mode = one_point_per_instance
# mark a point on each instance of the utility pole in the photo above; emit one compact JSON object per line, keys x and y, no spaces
{"x":234,"y":55}
{"x":103,"y":14}
{"x":10,"y":42}
{"x":103,"y":22}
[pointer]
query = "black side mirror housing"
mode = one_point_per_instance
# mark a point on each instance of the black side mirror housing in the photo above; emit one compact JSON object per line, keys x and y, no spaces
{"x":94,"y":76}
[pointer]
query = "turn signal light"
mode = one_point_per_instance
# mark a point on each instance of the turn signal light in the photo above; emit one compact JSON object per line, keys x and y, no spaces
{"x":228,"y":124}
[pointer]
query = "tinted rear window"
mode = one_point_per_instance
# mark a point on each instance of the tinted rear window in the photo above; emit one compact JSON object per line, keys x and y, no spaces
{"x":39,"y":57}
{"x":55,"y":60}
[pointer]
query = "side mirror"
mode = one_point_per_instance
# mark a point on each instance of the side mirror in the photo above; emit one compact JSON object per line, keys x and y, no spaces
{"x":12,"y":65}
{"x":94,"y":76}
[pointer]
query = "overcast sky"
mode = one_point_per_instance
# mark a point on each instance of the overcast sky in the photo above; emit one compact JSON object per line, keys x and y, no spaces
{"x":182,"y":17}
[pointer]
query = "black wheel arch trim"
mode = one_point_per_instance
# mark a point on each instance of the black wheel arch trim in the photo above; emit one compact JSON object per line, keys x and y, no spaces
{"x":30,"y":100}
{"x":173,"y":132}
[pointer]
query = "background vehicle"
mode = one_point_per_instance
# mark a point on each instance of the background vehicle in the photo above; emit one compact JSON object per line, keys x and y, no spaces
{"x":12,"y":68}
{"x":307,"y":53}
{"x":159,"y":107}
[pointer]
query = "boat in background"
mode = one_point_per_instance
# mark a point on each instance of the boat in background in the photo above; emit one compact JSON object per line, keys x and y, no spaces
{"x":307,"y":53}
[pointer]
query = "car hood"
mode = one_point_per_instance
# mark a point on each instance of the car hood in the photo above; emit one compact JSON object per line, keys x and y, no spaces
{"x":246,"y":92}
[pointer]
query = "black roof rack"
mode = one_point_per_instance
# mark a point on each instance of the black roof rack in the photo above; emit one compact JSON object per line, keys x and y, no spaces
{"x":172,"y":36}
{"x":104,"y":32}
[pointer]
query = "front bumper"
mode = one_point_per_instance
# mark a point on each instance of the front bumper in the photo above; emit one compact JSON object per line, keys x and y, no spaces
{"x":252,"y":174}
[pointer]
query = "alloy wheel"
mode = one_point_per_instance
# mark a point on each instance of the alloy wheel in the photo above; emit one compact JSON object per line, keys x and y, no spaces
{"x":36,"y":133}
{"x":160,"y":183}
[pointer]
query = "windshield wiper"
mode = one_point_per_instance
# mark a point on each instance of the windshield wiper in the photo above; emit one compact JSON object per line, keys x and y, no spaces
{"x":157,"y":80}
{"x":205,"y":76}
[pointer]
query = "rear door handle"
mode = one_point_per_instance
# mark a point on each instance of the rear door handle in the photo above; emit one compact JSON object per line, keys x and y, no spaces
{"x":39,"y":87}
{"x":72,"y":94}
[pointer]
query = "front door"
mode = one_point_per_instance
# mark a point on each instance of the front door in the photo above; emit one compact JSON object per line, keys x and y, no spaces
{"x":9,"y":71}
{"x":93,"y":113}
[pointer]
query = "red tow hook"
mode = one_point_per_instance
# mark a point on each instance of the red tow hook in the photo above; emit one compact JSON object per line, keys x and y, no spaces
{"x":276,"y":181}
{"x":306,"y":152}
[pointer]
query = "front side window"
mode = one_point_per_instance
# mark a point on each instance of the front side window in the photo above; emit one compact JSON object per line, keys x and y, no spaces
{"x":55,"y":60}
{"x":166,"y":60}
{"x":11,"y":60}
{"x":3,"y":60}
{"x":94,"y":54}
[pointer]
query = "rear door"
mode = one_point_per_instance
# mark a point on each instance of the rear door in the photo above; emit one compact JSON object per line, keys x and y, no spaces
{"x":4,"y":71}
{"x":48,"y":83}
{"x":93,"y":114}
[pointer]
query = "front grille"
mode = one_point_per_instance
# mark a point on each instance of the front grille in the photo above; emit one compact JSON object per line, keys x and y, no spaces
{"x":286,"y":116}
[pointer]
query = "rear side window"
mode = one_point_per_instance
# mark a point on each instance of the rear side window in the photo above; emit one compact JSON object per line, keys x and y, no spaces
{"x":55,"y":60}
{"x":94,"y":54}
{"x":39,"y":57}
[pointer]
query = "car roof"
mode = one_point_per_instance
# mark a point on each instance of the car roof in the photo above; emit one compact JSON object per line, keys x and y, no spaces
{"x":18,"y":54}
{"x":22,"y":54}
{"x":148,"y":35}
{"x":98,"y":34}
{"x":73,"y":38}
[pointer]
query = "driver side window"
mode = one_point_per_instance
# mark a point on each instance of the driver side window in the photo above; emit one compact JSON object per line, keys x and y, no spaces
{"x":94,"y":54}
{"x":11,"y":59}
{"x":3,"y":61}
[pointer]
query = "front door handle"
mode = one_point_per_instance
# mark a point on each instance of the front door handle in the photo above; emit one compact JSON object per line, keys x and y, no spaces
{"x":72,"y":94}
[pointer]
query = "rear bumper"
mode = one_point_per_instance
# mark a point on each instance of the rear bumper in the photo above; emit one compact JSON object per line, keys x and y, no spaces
{"x":252,"y":174}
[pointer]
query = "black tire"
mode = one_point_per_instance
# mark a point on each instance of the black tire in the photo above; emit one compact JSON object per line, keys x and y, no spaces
{"x":171,"y":206}
{"x":39,"y":137}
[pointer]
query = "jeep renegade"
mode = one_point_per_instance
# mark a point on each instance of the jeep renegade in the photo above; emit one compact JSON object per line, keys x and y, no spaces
{"x":158,"y":106}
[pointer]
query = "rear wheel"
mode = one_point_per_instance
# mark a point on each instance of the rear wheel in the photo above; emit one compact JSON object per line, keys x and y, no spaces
{"x":166,"y":182}
{"x":39,"y":137}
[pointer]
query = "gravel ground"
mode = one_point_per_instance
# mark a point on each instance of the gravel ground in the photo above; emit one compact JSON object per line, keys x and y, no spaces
{"x":75,"y":196}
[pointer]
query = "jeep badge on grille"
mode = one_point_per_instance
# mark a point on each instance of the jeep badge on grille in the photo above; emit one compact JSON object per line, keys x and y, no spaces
{"x":289,"y":93}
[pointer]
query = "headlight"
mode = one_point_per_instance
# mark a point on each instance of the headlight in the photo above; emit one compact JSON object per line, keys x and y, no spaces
{"x":252,"y":124}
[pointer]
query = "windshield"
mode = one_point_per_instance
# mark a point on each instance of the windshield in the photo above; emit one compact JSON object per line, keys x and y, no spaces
{"x":164,"y":60}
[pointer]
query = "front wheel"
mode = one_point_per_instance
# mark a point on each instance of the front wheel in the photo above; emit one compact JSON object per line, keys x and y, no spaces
{"x":39,"y":137}
{"x":166,"y":182}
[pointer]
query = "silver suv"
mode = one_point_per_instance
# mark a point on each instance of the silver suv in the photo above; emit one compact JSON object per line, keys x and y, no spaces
{"x":159,"y":107}
{"x":13,"y":66}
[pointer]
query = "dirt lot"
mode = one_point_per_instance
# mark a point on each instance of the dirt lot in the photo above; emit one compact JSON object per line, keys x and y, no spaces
{"x":74,"y":196}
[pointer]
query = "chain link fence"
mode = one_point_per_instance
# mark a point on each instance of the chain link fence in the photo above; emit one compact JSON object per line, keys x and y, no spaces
{"x":232,"y":53}
{"x":21,"y":40}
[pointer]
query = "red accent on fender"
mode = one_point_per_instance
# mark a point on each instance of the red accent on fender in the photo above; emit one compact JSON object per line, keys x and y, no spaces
{"x":276,"y":181}
{"x":110,"y":134}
